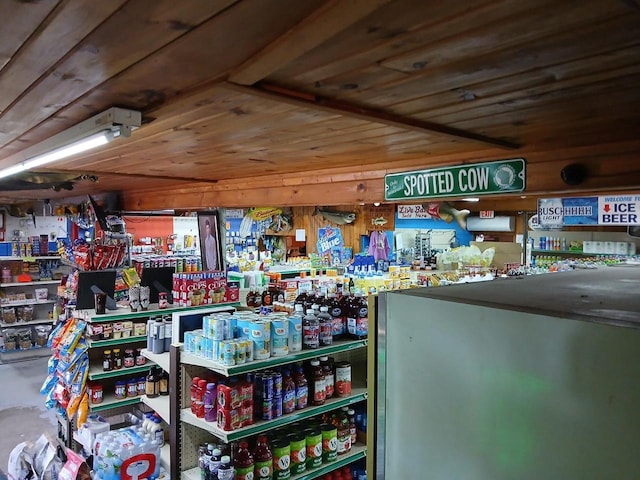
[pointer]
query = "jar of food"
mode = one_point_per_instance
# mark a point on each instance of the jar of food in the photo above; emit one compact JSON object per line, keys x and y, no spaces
{"x":140,"y":359}
{"x":121,"y":389}
{"x":129,"y":358}
{"x":117,"y":359}
{"x":107,"y":360}
{"x":95,"y":392}
{"x":132,"y":388}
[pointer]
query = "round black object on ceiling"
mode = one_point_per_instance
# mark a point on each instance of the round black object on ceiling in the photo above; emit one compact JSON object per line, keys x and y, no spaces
{"x":573,"y":174}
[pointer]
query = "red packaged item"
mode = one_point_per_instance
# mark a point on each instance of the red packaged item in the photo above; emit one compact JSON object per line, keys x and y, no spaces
{"x":229,"y":397}
{"x":246,"y":393}
{"x":229,"y":419}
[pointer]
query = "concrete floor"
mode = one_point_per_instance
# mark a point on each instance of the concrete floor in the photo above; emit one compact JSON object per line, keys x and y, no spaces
{"x":23,"y":416}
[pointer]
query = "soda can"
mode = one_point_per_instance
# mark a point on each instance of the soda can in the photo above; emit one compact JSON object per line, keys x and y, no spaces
{"x":188,"y":342}
{"x":228,"y":353}
{"x":267,"y":387}
{"x":240,"y":352}
{"x":215,"y":350}
{"x":248,"y":350}
{"x":206,"y":320}
{"x":230,"y":327}
{"x":277,"y":406}
{"x":277,"y":384}
{"x":218,"y":329}
{"x":267,"y":409}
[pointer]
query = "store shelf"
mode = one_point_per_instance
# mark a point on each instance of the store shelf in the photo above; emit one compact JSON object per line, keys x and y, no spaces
{"x":339,"y":346}
{"x":32,"y":258}
{"x":159,"y":404}
{"x":28,"y":352}
{"x":26,"y":302}
{"x":24,"y":284}
{"x":126,"y":314}
{"x":115,"y":341}
{"x":574,"y":252}
{"x":186,"y":416}
{"x":96,"y":372}
{"x":22,"y":324}
{"x":358,"y":452}
{"x":160,"y":359}
{"x":110,"y":401}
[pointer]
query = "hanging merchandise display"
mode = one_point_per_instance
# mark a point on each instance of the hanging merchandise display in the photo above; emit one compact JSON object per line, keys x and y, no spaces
{"x":379,"y":245}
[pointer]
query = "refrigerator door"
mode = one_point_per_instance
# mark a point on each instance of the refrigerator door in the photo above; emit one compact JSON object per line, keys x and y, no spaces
{"x":471,"y":391}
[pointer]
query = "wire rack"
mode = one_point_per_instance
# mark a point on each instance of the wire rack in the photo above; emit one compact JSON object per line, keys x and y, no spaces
{"x":191,"y":437}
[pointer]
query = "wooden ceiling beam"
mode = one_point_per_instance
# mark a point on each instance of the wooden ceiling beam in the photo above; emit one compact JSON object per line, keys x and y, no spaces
{"x":308,"y":100}
{"x":333,"y":17}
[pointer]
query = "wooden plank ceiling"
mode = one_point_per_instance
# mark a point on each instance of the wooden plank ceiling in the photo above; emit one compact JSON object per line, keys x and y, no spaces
{"x":246,"y":101}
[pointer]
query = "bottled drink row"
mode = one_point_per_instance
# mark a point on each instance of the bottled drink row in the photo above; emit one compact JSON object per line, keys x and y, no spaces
{"x":237,"y":402}
{"x":241,"y":337}
{"x":289,"y":451}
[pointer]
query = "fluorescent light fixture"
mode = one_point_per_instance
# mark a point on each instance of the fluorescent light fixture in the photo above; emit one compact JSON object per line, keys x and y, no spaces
{"x":87,"y":135}
{"x":376,"y":204}
{"x":471,"y":199}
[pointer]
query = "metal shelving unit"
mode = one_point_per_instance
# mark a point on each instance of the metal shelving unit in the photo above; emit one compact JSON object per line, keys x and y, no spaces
{"x":115,"y":341}
{"x":191,"y":431}
{"x":96,"y":372}
{"x":256,"y":365}
{"x":357,"y":453}
{"x":359,"y":394}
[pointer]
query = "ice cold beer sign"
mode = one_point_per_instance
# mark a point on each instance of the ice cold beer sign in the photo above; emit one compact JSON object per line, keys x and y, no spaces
{"x":504,"y":176}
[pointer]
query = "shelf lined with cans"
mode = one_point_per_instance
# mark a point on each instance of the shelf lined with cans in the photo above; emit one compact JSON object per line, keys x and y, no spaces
{"x":256,"y":365}
{"x":115,"y":341}
{"x":110,"y":401}
{"x":97,"y":373}
{"x":126,"y":314}
{"x":358,"y":394}
{"x":357,"y":452}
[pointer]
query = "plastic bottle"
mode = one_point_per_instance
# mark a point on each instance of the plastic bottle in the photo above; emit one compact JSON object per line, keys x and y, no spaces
{"x":344,"y":434}
{"x":215,"y":458}
{"x":302,"y":389}
{"x":351,"y":416}
{"x":263,"y":459}
{"x":210,"y":413}
{"x":194,"y":387}
{"x":329,"y":377}
{"x":310,"y":331}
{"x":288,"y":392}
{"x":318,"y":391}
{"x":335,"y":310}
{"x":326,"y":326}
{"x":358,"y":322}
{"x":200,"y":391}
{"x":157,"y":432}
{"x":243,"y":463}
{"x":225,"y":470}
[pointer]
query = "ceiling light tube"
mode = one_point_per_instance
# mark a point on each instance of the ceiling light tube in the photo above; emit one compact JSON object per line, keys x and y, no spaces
{"x":89,"y":134}
{"x":88,"y":143}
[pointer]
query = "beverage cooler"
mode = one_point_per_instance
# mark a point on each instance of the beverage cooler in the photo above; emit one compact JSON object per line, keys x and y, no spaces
{"x":528,"y":379}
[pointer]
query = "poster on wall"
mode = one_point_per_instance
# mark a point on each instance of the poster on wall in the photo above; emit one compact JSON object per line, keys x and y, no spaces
{"x":329,"y":238}
{"x":381,"y":217}
{"x":210,"y":245}
{"x":603,"y":210}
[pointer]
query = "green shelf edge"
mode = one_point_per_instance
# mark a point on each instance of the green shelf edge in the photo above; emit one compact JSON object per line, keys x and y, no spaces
{"x":267,"y":425}
{"x":257,"y":365}
{"x":115,"y":341}
{"x":128,"y":315}
{"x":342,"y":461}
{"x":122,"y":372}
{"x":120,"y":403}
